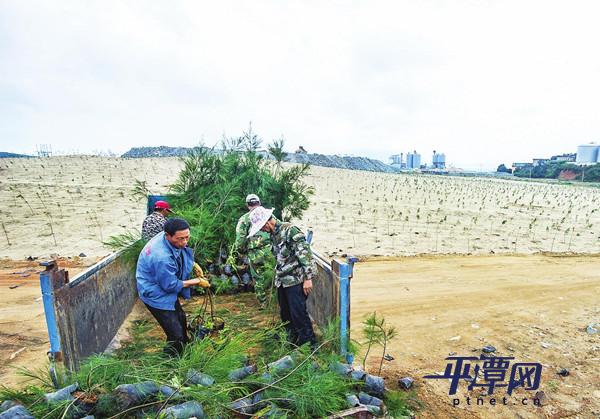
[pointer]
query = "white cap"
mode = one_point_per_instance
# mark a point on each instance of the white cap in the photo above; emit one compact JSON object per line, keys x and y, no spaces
{"x":259,"y":217}
{"x":252,"y":198}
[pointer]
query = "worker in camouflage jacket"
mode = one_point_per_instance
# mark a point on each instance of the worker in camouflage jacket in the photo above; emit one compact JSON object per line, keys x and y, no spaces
{"x":294,"y":272}
{"x":255,"y":248}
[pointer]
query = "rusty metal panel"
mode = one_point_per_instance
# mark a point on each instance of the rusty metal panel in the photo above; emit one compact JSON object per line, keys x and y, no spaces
{"x":322,"y":304}
{"x":92,"y":307}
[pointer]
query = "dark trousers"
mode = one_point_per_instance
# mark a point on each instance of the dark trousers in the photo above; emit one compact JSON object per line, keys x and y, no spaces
{"x":174,"y":324}
{"x":292,"y":308}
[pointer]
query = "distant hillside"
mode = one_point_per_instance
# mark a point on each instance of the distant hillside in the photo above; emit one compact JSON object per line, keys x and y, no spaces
{"x":5,"y":155}
{"x":162,"y":151}
{"x":340,"y":162}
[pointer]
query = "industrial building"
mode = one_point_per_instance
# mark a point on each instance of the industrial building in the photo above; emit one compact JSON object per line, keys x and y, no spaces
{"x":438,"y":160}
{"x":410,"y":161}
{"x":588,"y":154}
{"x":397,"y":161}
{"x":568,"y":157}
{"x":413,"y":160}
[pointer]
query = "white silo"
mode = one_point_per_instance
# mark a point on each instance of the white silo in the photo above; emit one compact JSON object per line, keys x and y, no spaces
{"x":587,"y":153}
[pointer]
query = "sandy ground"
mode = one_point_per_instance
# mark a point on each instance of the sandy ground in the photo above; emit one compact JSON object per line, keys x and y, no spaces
{"x":23,"y":333}
{"x":69,"y":205}
{"x":380,"y":214}
{"x":533,"y":308}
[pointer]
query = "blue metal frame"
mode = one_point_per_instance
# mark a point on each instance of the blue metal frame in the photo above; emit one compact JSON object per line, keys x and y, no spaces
{"x":346,"y":272}
{"x":48,"y":300}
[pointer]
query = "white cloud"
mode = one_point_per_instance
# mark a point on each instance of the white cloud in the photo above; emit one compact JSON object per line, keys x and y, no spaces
{"x":485,"y":82}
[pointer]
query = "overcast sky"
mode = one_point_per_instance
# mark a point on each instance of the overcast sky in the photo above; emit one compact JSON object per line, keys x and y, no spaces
{"x":485,"y":82}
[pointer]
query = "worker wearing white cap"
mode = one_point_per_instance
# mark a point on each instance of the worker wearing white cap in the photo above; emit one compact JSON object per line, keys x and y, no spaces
{"x":294,"y":272}
{"x":255,"y":248}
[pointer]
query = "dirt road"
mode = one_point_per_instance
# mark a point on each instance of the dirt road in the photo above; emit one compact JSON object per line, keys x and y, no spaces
{"x":532,"y":308}
{"x":23,"y":333}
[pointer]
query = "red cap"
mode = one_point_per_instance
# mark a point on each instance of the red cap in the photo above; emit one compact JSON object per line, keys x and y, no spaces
{"x":160,"y":205}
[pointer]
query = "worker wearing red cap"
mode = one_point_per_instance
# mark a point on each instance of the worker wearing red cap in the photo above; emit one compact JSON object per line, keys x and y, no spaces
{"x":155,"y":222}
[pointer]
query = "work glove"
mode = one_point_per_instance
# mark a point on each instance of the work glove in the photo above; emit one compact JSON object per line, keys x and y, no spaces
{"x":198,"y":271}
{"x":204,"y":283}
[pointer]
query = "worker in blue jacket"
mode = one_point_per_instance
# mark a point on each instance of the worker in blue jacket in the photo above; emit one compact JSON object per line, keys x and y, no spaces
{"x":162,"y":271}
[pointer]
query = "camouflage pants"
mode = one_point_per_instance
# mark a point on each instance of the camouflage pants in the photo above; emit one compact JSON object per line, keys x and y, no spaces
{"x":257,"y":272}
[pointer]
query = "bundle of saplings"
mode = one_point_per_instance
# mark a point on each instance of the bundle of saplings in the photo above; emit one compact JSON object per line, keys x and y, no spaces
{"x":209,"y":193}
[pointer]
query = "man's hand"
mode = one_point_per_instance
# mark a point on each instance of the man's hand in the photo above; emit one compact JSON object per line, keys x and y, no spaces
{"x":196,"y":281}
{"x":204,"y":283}
{"x":191,"y":282}
{"x":307,"y":287}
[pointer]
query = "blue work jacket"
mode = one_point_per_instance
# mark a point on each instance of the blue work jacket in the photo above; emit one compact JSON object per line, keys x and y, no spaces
{"x":161,"y":270}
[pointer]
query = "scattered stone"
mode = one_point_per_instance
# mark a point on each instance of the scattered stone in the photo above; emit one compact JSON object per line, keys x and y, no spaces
{"x":454,"y":338}
{"x":475,"y":326}
{"x":591,"y":330}
{"x":388,"y":357}
{"x":31,"y":258}
{"x":510,"y":348}
{"x":541,"y":396}
{"x":82,"y":255}
{"x":196,"y":377}
{"x":452,"y":354}
{"x":488,"y":349}
{"x":406,"y":383}
{"x":545,"y":345}
{"x":563,"y":372}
